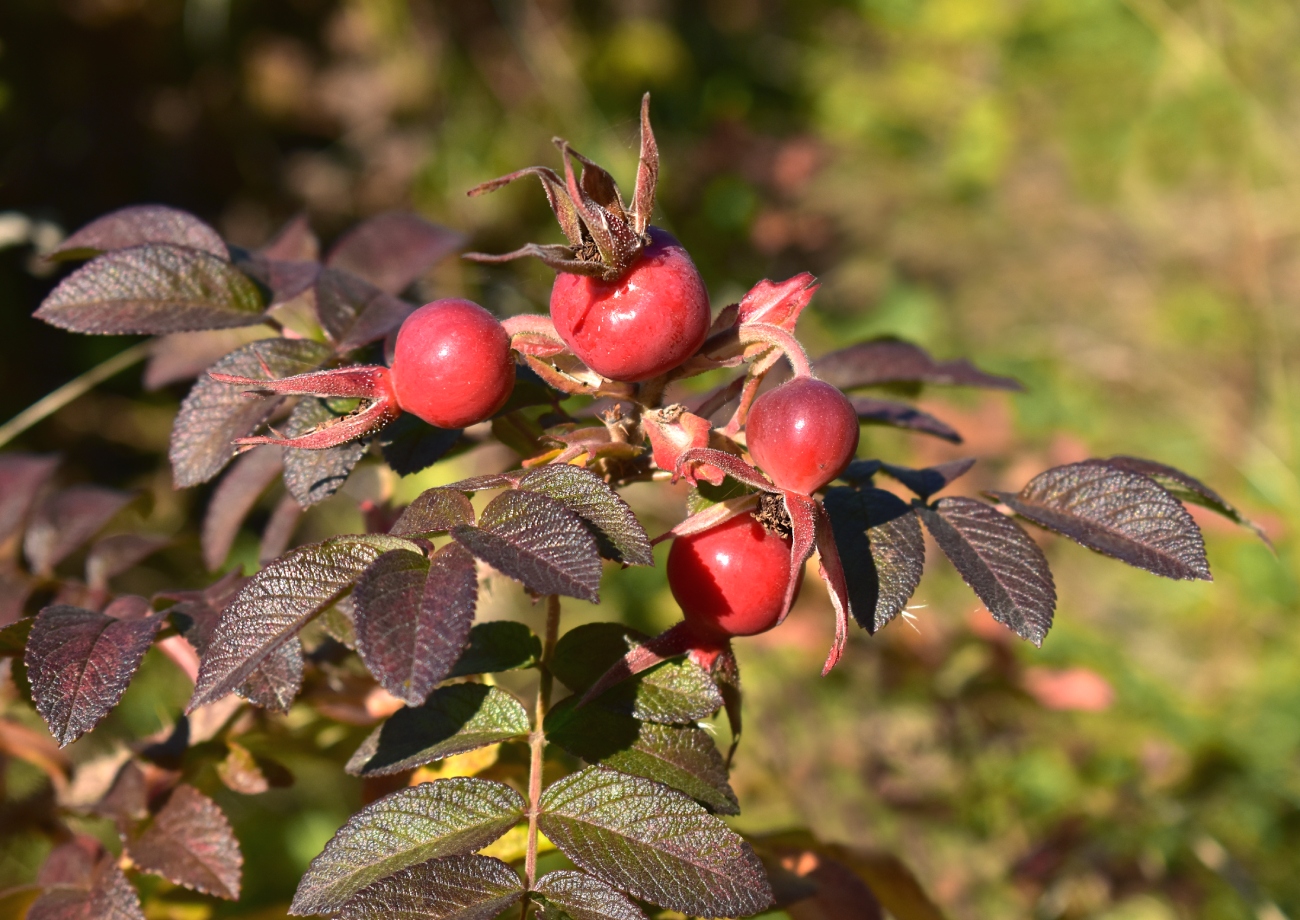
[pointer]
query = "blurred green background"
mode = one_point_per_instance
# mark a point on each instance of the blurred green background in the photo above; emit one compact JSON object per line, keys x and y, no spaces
{"x":1100,"y":197}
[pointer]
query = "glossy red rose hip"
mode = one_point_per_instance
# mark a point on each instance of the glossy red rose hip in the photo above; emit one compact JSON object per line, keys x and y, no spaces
{"x":452,"y":364}
{"x":649,"y":321}
{"x":802,"y":434}
{"x":730,"y":580}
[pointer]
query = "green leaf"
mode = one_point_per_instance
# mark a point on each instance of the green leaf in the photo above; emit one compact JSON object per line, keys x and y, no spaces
{"x":619,"y":535}
{"x":277,"y":602}
{"x":579,"y":896}
{"x":453,"y":888}
{"x":446,"y":817}
{"x":681,"y":756}
{"x":672,"y":692}
{"x":500,"y":645}
{"x":654,"y":843}
{"x":455,"y":719}
{"x":153,"y":289}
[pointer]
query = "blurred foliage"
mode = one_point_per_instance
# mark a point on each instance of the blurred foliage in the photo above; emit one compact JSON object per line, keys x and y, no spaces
{"x":1101,"y":197}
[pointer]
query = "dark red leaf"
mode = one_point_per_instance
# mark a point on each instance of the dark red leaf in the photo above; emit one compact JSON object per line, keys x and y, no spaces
{"x":450,"y":888}
{"x":392,"y":250}
{"x":190,"y":843}
{"x":413,"y":617}
{"x":153,"y":290}
{"x":294,"y":242}
{"x":1116,"y":512}
{"x":71,"y":863}
{"x":882,"y":548}
{"x":1000,"y":562}
{"x":901,"y":415}
{"x":533,"y":539}
{"x":111,"y":556}
{"x":233,"y":499}
{"x":410,"y":445}
{"x":79,"y":663}
{"x":108,"y":897}
{"x":434,"y":511}
{"x":1187,"y":488}
{"x":890,"y":361}
{"x":931,"y":479}
{"x":311,"y":476}
{"x":284,"y":279}
{"x":21,"y":479}
{"x":584,"y":897}
{"x":66,"y":520}
{"x":354,"y":312}
{"x":135,"y":226}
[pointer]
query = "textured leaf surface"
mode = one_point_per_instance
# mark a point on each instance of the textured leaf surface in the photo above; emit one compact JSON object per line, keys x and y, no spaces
{"x":152,"y":290}
{"x":67,"y":519}
{"x":534,"y":540}
{"x":455,"y":719}
{"x":214,"y":414}
{"x":673,"y":692}
{"x":79,"y":663}
{"x":21,"y":479}
{"x":312,"y":476}
{"x":233,"y":499}
{"x":135,"y":226}
{"x":413,"y":617}
{"x":931,"y":479}
{"x":584,"y":897}
{"x":452,"y":888}
{"x":881,"y":548}
{"x":890,"y":361}
{"x":354,"y":312}
{"x":501,"y":645}
{"x":392,"y":250}
{"x":410,"y":445}
{"x":446,"y":817}
{"x":619,"y":535}
{"x":1000,"y":562}
{"x":109,"y":897}
{"x":277,"y":602}
{"x":1187,"y":488}
{"x":191,"y":843}
{"x":901,"y":415}
{"x":434,"y":511}
{"x":654,"y":843}
{"x":681,"y":756}
{"x":1118,"y":513}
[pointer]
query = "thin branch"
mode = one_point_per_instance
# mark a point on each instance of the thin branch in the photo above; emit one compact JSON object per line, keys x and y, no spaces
{"x":537,"y":740}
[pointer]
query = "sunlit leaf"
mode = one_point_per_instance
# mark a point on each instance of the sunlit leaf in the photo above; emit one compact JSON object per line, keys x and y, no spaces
{"x":499,"y":645}
{"x":392,"y":250}
{"x":451,"y":888}
{"x":584,"y":897}
{"x":135,"y":226}
{"x":66,"y":520}
{"x":434,"y":511}
{"x":312,"y":476}
{"x":1187,"y":488}
{"x":354,"y":312}
{"x":190,"y":843}
{"x":653,"y":842}
{"x":881,"y":548}
{"x":619,"y":535}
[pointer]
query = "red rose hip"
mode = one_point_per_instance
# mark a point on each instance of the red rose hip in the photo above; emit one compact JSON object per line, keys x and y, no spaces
{"x":802,"y":434}
{"x":730,"y":580}
{"x":649,"y":321}
{"x":452,"y":364}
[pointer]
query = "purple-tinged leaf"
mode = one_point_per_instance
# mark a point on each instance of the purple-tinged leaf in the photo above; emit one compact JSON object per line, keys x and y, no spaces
{"x":413,"y":617}
{"x":1187,"y":488}
{"x":79,"y":663}
{"x":486,"y":482}
{"x":15,"y":588}
{"x":190,"y":843}
{"x":861,"y":472}
{"x":279,"y":530}
{"x":311,"y":476}
{"x":214,"y":414}
{"x":882,"y":549}
{"x":108,"y":897}
{"x":392,"y":250}
{"x":153,"y":290}
{"x":277,"y":680}
{"x":21,"y":479}
{"x":584,"y":897}
{"x":1000,"y":562}
{"x":434,"y":511}
{"x":456,"y":719}
{"x":681,"y":756}
{"x":354,"y":312}
{"x":1116,"y":512}
{"x":410,"y":445}
{"x":185,"y":355}
{"x":451,"y":888}
{"x":277,"y":602}
{"x":499,"y":645}
{"x":66,"y":520}
{"x":901,"y":415}
{"x":111,"y":556}
{"x":619,"y":535}
{"x":654,"y":843}
{"x":931,"y":479}
{"x":447,"y":817}
{"x":533,"y":539}
{"x":284,"y":279}
{"x":135,"y":226}
{"x":233,"y":499}
{"x":71,"y":863}
{"x":889,"y":361}
{"x":294,"y":242}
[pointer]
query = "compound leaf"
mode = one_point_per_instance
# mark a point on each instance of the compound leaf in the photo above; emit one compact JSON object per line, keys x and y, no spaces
{"x":882,"y":549}
{"x":190,"y":843}
{"x":108,"y":897}
{"x":135,"y":226}
{"x":277,"y":602}
{"x":413,"y":618}
{"x":901,"y":415}
{"x":675,"y":691}
{"x":434,"y":511}
{"x":681,"y":756}
{"x":533,"y":539}
{"x":455,"y":719}
{"x":884,"y":361}
{"x":451,"y":888}
{"x":153,"y":289}
{"x":499,"y":645}
{"x":999,"y":561}
{"x":584,"y":897}
{"x":654,"y":843}
{"x":67,"y":519}
{"x":1116,"y":512}
{"x":79,"y":663}
{"x":312,"y":476}
{"x":446,"y":817}
{"x":619,"y":535}
{"x":214,"y":414}
{"x":21,"y":479}
{"x":1187,"y":488}
{"x":392,"y":250}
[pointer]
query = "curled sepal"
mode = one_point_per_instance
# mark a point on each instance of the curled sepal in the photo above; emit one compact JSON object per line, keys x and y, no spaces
{"x":672,"y":432}
{"x":778,"y":303}
{"x":730,"y":464}
{"x":675,"y":641}
{"x":806,"y":515}
{"x":531,"y":334}
{"x":712,"y":516}
{"x":831,"y":570}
